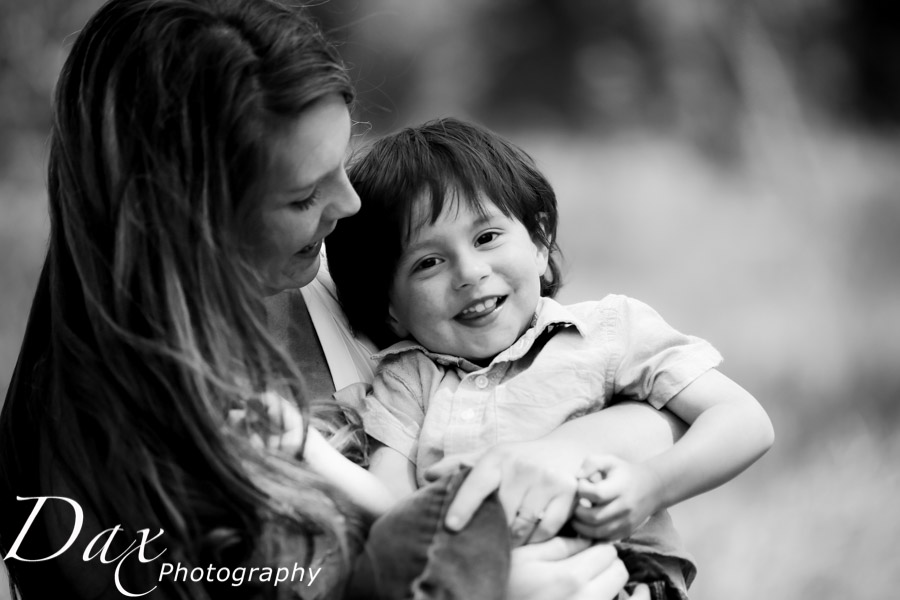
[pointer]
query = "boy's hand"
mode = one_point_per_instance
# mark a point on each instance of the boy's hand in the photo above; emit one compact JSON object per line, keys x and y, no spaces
{"x":615,"y":497}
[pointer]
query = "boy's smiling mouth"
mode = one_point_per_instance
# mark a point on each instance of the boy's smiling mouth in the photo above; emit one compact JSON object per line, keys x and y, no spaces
{"x":481,"y":308}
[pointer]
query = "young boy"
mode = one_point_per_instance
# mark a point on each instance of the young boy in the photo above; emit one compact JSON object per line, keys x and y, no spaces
{"x":452,"y":256}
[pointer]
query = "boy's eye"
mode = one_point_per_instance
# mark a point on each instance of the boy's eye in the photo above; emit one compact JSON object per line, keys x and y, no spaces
{"x":427,"y":263}
{"x":486,"y":237}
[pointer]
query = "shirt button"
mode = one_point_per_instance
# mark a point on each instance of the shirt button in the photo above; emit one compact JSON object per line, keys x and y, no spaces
{"x":481,"y":382}
{"x":468,"y":414}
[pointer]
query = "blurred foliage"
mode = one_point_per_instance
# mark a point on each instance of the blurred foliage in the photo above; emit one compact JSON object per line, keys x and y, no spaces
{"x":695,"y":68}
{"x":33,"y":34}
{"x":733,"y":163}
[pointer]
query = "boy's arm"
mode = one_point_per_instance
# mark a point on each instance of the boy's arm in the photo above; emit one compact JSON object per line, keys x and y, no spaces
{"x":396,"y":472}
{"x":361,"y":486}
{"x":728,"y":431}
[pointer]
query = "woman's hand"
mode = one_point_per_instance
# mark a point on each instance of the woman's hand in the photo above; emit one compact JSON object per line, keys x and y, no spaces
{"x":568,"y":569}
{"x":541,"y":475}
{"x":536,"y":482}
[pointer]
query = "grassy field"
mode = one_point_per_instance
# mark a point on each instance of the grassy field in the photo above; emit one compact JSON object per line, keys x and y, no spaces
{"x":786,"y":261}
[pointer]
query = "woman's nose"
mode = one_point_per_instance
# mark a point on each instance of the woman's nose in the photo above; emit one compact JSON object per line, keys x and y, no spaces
{"x":471,"y":268}
{"x":344,"y":200}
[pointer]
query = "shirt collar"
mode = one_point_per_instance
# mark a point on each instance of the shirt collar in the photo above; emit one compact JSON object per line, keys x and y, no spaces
{"x":549,"y":315}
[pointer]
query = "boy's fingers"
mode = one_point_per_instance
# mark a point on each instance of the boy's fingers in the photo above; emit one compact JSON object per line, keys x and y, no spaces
{"x":599,"y":515}
{"x":607,"y":532}
{"x":598,"y":463}
{"x":602,"y":492}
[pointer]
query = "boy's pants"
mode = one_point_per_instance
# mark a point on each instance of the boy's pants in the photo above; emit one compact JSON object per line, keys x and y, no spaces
{"x":409,"y":554}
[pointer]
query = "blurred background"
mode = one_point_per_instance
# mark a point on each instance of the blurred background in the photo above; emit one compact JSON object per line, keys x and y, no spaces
{"x":734,"y":164}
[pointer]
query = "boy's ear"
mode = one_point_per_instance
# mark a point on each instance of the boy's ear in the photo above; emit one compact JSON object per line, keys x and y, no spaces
{"x":542,"y":221}
{"x":543,"y":256}
{"x":395,"y":325}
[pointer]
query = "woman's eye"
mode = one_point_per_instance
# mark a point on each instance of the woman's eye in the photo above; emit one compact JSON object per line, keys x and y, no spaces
{"x":305,"y":203}
{"x":486,"y":238}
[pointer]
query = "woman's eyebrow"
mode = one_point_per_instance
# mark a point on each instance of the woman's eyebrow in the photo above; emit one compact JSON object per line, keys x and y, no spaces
{"x":309,"y":186}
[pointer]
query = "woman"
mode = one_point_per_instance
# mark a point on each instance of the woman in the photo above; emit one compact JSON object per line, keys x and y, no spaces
{"x":196,"y":165}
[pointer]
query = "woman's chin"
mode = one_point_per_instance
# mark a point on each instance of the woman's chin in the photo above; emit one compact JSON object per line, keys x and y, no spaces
{"x":297,"y":277}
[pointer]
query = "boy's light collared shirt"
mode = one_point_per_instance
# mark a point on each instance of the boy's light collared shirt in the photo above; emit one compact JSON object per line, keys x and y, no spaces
{"x":570,"y":362}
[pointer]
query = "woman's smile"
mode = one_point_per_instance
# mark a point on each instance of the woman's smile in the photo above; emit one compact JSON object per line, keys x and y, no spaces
{"x":307,"y":192}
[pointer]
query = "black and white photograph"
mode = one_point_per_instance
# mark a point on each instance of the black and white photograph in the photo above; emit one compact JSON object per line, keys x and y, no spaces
{"x":474,"y":300}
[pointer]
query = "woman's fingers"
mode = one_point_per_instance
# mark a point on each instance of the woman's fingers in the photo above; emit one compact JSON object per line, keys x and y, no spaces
{"x":528,"y":490}
{"x":537,"y":507}
{"x":605,"y":585}
{"x":518,"y":502}
{"x":552,"y":550}
{"x":555,"y":516}
{"x":641,"y":592}
{"x":443,"y":467}
{"x":481,"y":482}
{"x":592,"y":561}
{"x":564,"y":568}
{"x":597,"y":573}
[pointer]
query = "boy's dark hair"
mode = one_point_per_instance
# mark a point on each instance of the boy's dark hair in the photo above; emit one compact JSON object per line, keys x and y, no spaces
{"x":447,"y":161}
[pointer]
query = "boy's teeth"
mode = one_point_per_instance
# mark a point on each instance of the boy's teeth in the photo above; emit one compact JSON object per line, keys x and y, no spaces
{"x":481,"y":306}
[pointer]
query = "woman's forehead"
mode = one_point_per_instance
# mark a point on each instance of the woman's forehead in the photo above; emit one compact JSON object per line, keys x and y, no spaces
{"x":310,"y":147}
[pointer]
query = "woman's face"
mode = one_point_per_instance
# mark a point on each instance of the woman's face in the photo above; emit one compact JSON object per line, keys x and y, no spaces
{"x":307,"y":191}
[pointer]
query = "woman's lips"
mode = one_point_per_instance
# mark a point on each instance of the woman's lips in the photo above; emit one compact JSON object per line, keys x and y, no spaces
{"x":312,"y":249}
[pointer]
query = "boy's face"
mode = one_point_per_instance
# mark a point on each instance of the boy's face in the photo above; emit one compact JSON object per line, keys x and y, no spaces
{"x":467,"y":285}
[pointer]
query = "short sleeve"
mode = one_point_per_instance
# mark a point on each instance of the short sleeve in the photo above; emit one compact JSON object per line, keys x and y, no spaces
{"x":655,"y":361}
{"x":393,"y":412}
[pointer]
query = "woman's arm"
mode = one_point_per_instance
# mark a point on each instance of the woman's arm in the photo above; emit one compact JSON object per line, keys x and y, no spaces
{"x":540,"y":477}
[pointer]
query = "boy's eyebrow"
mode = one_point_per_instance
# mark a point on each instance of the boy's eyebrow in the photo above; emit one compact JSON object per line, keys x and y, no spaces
{"x":412,"y":249}
{"x":480,"y":221}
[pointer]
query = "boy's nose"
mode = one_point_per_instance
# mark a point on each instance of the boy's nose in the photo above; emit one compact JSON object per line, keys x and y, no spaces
{"x":470,"y":270}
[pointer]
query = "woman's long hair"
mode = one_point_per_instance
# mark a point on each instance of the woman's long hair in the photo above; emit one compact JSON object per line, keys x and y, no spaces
{"x":148,"y":326}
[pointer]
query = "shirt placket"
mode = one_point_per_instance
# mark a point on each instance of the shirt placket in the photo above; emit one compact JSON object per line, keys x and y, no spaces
{"x":472,"y":422}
